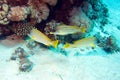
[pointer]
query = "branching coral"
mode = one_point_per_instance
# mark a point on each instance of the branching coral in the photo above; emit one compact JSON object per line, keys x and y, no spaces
{"x":23,"y":15}
{"x":96,"y":11}
{"x":30,"y":11}
{"x":18,"y":13}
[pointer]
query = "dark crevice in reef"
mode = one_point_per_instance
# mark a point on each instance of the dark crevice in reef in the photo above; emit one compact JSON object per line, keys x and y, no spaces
{"x":60,"y":12}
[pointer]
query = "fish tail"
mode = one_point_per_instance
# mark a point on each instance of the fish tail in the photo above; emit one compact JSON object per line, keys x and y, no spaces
{"x":55,"y":43}
{"x":51,"y":33}
{"x":66,"y":45}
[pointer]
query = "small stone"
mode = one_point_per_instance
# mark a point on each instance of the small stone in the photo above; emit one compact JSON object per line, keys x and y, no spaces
{"x":19,"y":53}
{"x":25,"y":65}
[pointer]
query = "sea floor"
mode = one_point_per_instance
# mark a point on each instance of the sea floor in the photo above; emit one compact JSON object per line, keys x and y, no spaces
{"x":49,"y":65}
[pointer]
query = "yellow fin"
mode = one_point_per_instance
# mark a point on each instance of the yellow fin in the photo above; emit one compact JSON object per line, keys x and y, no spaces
{"x":83,"y":29}
{"x":92,"y":45}
{"x":66,"y":45}
{"x":55,"y":43}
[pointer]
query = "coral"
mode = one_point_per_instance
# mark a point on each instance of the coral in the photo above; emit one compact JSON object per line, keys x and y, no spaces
{"x":79,"y":18}
{"x":96,"y":11}
{"x":108,"y":44}
{"x":18,"y":13}
{"x":39,"y":10}
{"x":50,"y":27}
{"x":32,"y":45}
{"x":31,"y":11}
{"x":19,"y":53}
{"x":22,"y":16}
{"x":22,"y":29}
{"x":3,"y":13}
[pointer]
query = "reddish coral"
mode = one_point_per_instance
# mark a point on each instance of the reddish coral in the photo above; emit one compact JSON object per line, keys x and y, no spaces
{"x":39,"y":10}
{"x":17,"y":13}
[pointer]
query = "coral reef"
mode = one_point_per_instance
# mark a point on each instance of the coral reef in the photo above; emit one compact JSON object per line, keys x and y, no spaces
{"x":22,"y":29}
{"x":18,"y":13}
{"x":51,"y":26}
{"x":107,"y":43}
{"x":39,"y":13}
{"x":23,"y":14}
{"x":19,"y":17}
{"x":64,"y":8}
{"x":3,"y":13}
{"x":79,"y":18}
{"x":96,"y":11}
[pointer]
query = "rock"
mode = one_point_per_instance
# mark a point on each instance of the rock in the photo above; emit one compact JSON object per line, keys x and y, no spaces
{"x":32,"y":45}
{"x":19,"y":53}
{"x":25,"y":65}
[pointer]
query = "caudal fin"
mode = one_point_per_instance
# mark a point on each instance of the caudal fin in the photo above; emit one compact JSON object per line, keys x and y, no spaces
{"x":51,"y":33}
{"x":66,"y":45}
{"x":55,"y":43}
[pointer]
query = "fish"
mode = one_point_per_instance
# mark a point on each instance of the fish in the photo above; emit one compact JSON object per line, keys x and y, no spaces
{"x":68,"y":29}
{"x":82,"y":43}
{"x":40,"y":37}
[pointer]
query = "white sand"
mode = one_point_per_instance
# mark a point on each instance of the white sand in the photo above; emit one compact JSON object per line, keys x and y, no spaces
{"x":51,"y":66}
